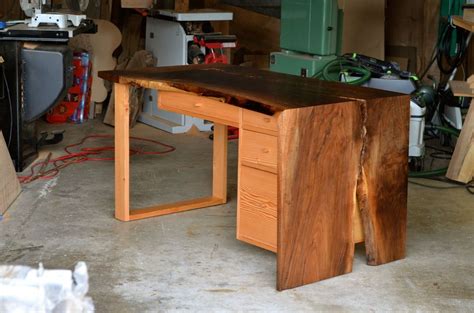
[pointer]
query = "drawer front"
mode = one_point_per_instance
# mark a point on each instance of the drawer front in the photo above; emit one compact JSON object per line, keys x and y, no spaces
{"x":197,"y":106}
{"x":257,"y":208}
{"x":258,"y":150}
{"x":259,"y":122}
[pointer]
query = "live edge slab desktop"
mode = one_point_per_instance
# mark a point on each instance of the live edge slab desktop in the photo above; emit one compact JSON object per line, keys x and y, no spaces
{"x":321,"y":165}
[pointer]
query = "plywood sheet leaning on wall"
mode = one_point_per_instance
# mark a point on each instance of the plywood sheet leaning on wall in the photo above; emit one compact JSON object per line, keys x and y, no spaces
{"x":9,"y":184}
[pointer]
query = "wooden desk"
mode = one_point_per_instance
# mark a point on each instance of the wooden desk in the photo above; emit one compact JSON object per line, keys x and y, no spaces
{"x":321,"y":165}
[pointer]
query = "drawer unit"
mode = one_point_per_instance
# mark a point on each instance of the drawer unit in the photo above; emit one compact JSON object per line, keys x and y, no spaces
{"x":258,"y":150}
{"x":202,"y":107}
{"x":257,"y":208}
{"x":257,"y":199}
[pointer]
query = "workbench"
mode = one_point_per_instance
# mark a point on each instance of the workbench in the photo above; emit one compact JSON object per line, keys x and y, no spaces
{"x":321,"y":165}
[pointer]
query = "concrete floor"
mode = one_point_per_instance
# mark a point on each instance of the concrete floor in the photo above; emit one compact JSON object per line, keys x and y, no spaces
{"x":192,"y":262}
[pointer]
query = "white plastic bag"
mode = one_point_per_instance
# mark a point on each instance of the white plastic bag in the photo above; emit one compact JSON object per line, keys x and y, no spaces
{"x":24,"y":289}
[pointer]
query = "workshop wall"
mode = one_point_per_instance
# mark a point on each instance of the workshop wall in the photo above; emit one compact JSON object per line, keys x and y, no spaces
{"x":10,"y":10}
{"x":260,"y":33}
{"x":364,"y":27}
{"x":266,"y":7}
{"x":411,"y":31}
{"x":403,"y":30}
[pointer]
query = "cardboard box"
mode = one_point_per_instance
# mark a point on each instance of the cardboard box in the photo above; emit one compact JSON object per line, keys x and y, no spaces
{"x":9,"y":184}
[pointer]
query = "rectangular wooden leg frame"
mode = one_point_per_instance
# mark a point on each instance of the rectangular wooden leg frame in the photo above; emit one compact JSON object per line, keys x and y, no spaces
{"x":122,"y":168}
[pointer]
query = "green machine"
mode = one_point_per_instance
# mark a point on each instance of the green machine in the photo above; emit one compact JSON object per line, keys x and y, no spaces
{"x":311,"y":36}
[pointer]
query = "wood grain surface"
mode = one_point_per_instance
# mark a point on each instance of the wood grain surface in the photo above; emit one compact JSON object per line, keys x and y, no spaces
{"x":122,"y":152}
{"x":257,"y":209}
{"x":316,"y":192}
{"x":382,"y":186}
{"x":257,"y":90}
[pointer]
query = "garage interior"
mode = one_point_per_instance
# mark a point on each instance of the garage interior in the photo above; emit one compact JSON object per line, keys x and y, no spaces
{"x":60,"y":200}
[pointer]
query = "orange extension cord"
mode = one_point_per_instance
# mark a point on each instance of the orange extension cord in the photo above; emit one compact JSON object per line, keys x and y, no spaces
{"x":84,"y":155}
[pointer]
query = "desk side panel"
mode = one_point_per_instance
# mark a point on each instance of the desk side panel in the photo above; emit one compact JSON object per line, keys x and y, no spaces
{"x":382,"y":187}
{"x":319,"y":151}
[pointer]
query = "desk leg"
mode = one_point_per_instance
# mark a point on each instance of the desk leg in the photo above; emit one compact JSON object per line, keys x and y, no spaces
{"x":219,"y":163}
{"x":122,"y":168}
{"x":318,"y":164}
{"x":382,"y":187}
{"x":349,"y":155}
{"x":122,"y":153}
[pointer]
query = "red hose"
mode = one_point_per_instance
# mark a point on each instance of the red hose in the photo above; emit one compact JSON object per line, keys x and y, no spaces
{"x":85,"y":154}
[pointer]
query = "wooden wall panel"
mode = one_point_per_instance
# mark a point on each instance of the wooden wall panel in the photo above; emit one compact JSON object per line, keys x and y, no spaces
{"x":10,"y":9}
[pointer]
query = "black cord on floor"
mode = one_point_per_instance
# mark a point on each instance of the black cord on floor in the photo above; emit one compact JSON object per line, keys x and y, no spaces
{"x":434,"y":187}
{"x":469,"y":186}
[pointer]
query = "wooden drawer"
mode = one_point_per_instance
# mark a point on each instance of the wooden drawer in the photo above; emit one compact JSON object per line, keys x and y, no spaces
{"x":197,"y":106}
{"x":257,"y":208}
{"x":258,"y":150}
{"x":259,"y":122}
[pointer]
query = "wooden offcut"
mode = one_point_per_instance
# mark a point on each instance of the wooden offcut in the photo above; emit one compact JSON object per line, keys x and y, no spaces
{"x":465,"y":24}
{"x":461,"y":88}
{"x":461,"y":166}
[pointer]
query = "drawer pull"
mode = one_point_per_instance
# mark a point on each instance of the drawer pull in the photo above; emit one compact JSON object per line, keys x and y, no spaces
{"x":267,"y":120}
{"x":266,"y":150}
{"x":198,"y":105}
